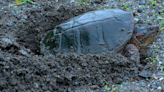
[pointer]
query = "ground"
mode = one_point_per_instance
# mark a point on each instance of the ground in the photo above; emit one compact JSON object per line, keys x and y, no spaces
{"x":23,"y":27}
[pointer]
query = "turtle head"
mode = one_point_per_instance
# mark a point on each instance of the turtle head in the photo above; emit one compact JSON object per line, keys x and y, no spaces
{"x":142,"y":31}
{"x":143,"y":35}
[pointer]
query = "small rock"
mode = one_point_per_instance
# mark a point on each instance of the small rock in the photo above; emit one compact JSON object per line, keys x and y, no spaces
{"x":139,"y":10}
{"x":2,"y":63}
{"x":145,"y":74}
{"x":36,"y":85}
{"x":161,"y":79}
{"x":9,"y":24}
{"x":136,"y":19}
{"x":27,"y":77}
{"x":47,"y":91}
{"x":149,"y":85}
{"x":25,"y":17}
{"x":24,"y":53}
{"x":84,"y":64}
{"x":6,"y":67}
{"x":142,"y":2}
{"x":94,"y":87}
{"x":159,"y":88}
{"x":5,"y":42}
{"x":160,"y":11}
{"x":69,"y":89}
{"x":125,"y":83}
{"x":3,"y":82}
{"x":142,"y":85}
{"x":13,"y":82}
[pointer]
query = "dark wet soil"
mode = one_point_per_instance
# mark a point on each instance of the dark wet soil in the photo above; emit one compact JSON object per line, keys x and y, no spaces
{"x":25,"y":25}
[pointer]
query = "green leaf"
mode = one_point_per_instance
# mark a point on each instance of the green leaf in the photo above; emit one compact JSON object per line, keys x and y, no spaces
{"x":156,"y":59}
{"x":160,"y":25}
{"x":161,"y":68}
{"x":161,"y":51}
{"x":18,"y":2}
{"x":106,"y":86}
{"x":23,"y":19}
{"x":159,"y":17}
{"x":31,"y":1}
{"x":24,"y":9}
{"x":121,"y":86}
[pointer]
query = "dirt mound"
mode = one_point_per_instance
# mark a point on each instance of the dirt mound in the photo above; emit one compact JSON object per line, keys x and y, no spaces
{"x":64,"y":72}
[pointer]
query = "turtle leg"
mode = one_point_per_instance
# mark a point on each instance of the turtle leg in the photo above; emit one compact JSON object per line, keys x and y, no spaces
{"x":131,"y":52}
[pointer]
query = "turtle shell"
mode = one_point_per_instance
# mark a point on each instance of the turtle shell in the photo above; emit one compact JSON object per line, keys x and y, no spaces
{"x":92,"y":32}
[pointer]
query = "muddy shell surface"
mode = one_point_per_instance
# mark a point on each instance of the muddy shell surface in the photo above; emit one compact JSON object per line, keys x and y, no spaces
{"x":90,"y":33}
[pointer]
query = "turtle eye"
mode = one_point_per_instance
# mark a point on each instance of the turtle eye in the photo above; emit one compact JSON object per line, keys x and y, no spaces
{"x":151,"y":28}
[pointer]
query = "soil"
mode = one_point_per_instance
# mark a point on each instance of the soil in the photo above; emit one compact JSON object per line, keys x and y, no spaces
{"x":22,"y":27}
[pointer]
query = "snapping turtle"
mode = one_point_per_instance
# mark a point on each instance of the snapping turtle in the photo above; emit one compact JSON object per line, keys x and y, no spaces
{"x":96,"y":32}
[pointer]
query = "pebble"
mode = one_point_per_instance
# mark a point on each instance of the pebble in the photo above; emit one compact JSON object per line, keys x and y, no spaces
{"x":142,"y":85}
{"x":36,"y":85}
{"x":6,"y":67}
{"x":76,"y":83}
{"x":160,"y":11}
{"x":47,"y":91}
{"x":136,"y":19}
{"x":161,"y":79}
{"x":159,"y":88}
{"x":2,"y":63}
{"x":25,"y":17}
{"x":9,"y":24}
{"x":142,"y":2}
{"x":125,"y":83}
